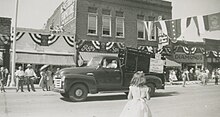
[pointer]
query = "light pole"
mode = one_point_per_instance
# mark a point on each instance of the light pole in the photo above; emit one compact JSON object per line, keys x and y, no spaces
{"x":14,"y":41}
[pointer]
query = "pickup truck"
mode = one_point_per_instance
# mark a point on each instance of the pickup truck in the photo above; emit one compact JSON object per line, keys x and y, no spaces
{"x":97,"y":76}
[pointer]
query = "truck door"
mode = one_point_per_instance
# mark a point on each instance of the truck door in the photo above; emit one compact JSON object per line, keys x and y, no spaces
{"x":108,"y":75}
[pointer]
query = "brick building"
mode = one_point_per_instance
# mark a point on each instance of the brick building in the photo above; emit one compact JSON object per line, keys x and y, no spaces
{"x":5,"y":33}
{"x":106,"y":21}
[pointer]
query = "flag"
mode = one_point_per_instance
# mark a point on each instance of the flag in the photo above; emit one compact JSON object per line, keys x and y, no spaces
{"x":212,"y":22}
{"x":207,"y":23}
{"x":149,"y":26}
{"x":162,"y":36}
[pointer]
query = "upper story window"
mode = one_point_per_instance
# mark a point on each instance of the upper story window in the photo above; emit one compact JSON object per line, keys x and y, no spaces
{"x":92,"y":21}
{"x":106,"y":23}
{"x":119,"y":24}
{"x":140,"y":27}
{"x":152,"y":36}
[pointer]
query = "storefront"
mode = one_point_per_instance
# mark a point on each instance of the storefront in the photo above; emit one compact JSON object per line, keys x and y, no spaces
{"x":38,"y":48}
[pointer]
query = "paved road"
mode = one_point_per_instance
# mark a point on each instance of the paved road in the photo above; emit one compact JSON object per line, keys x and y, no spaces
{"x":175,"y":101}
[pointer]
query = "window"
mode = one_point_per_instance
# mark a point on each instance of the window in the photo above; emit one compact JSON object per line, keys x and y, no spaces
{"x":106,"y":25}
{"x":153,"y":34}
{"x":140,"y":30}
{"x":106,"y":22}
{"x":92,"y":24}
{"x":153,"y":31}
{"x":119,"y":24}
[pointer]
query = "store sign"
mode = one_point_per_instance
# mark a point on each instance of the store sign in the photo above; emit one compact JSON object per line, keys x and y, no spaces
{"x":184,"y":58}
{"x":68,"y":11}
{"x":156,"y":65}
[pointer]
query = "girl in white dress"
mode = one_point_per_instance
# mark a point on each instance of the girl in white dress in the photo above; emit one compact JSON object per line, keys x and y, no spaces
{"x":137,"y":98}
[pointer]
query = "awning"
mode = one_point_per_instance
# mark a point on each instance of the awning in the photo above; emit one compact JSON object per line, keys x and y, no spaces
{"x":170,"y":63}
{"x":50,"y":59}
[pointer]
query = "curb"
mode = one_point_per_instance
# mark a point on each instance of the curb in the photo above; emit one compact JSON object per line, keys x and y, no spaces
{"x":188,"y":82}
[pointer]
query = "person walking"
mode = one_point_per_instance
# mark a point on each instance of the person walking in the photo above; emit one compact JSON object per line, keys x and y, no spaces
{"x":2,"y":79}
{"x":184,"y":75}
{"x":137,"y":98}
{"x":217,"y":75}
{"x":49,"y":79}
{"x":204,"y":77}
{"x":19,"y":74}
{"x":43,"y":79}
{"x":30,"y":75}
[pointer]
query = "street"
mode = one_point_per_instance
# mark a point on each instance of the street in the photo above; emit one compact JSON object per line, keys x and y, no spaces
{"x":175,"y":101}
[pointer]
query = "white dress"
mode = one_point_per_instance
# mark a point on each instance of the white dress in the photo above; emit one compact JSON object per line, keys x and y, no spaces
{"x":137,"y":106}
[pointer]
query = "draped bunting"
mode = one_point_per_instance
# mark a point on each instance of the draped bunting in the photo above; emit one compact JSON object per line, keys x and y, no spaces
{"x":4,"y":38}
{"x":19,"y":35}
{"x":69,"y":40}
{"x":150,"y":49}
{"x":44,"y":39}
{"x":97,"y":46}
{"x":174,"y":29}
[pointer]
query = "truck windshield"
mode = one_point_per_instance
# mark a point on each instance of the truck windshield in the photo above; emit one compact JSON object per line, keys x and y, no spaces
{"x":94,"y":62}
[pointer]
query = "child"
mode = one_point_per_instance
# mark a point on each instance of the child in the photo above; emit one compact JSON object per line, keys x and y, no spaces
{"x":137,"y":98}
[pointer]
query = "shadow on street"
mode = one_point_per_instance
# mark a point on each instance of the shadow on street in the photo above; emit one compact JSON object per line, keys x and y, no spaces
{"x":120,"y":97}
{"x":101,"y":98}
{"x":165,"y":94}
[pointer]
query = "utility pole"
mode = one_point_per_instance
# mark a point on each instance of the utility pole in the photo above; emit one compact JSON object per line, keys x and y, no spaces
{"x":14,"y":41}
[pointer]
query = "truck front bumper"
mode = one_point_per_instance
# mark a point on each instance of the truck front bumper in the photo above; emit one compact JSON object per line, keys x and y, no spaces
{"x":59,"y":90}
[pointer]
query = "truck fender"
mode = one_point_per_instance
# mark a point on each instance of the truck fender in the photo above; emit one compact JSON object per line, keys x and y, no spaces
{"x":88,"y":81}
{"x":154,"y":80}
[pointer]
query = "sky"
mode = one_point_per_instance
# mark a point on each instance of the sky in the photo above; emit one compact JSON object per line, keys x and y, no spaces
{"x":34,"y":13}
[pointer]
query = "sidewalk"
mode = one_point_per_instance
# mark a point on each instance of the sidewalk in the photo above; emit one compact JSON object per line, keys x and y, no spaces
{"x":189,"y":82}
{"x":36,"y":86}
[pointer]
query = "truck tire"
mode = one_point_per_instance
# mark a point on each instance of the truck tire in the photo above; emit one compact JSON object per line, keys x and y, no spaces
{"x":65,"y":95}
{"x":78,"y":93}
{"x":152,"y":89}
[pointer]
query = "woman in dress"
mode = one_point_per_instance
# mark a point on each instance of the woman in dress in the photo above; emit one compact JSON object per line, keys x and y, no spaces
{"x":137,"y":98}
{"x":43,"y":80}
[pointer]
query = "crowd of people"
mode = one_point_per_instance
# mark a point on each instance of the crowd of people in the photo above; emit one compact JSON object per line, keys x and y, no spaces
{"x":198,"y":74}
{"x":27,"y":77}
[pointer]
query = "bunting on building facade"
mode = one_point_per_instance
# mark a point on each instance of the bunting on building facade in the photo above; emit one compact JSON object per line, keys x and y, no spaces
{"x":44,"y":39}
{"x":97,"y":46}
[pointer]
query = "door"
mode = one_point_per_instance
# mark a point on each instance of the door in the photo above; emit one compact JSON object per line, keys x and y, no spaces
{"x":108,"y":75}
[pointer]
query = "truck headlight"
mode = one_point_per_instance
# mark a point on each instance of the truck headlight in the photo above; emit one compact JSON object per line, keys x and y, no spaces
{"x":63,"y":78}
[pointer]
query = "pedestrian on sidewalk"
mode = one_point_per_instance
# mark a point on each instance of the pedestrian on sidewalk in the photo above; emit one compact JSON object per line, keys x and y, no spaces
{"x":43,"y":79}
{"x":30,"y":75}
{"x":2,"y":79}
{"x":19,"y":74}
{"x":138,"y":97}
{"x":49,"y":79}
{"x":204,"y":77}
{"x":184,"y":75}
{"x":217,"y":75}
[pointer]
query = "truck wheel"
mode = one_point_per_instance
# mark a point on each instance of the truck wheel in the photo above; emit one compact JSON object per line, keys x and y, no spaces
{"x":78,"y":93}
{"x":152,"y":89}
{"x":64,"y":95}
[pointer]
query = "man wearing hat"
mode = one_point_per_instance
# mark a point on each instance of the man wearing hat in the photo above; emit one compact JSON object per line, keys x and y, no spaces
{"x":30,"y":74}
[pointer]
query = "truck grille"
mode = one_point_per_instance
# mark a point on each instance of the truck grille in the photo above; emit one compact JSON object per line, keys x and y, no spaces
{"x":57,"y":83}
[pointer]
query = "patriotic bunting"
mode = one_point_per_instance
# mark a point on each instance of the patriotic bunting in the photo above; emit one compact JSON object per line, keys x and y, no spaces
{"x":43,"y":39}
{"x":97,"y":46}
{"x":69,"y":40}
{"x":173,"y":30}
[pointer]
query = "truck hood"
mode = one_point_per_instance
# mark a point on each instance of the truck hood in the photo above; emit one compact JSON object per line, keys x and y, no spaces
{"x":77,"y":70}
